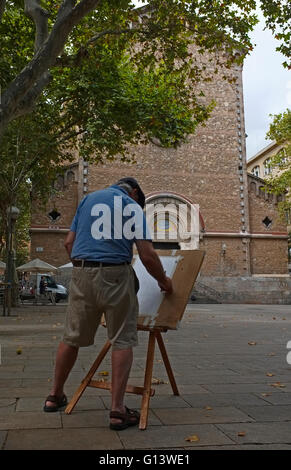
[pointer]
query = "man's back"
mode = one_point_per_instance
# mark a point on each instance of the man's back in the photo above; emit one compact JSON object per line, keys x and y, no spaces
{"x":106,"y":224}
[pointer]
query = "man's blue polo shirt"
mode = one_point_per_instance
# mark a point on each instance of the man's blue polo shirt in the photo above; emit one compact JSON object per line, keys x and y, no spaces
{"x":107,"y":223}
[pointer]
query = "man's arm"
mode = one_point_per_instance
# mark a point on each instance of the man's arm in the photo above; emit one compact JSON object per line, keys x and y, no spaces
{"x":153,"y":265}
{"x":69,"y":242}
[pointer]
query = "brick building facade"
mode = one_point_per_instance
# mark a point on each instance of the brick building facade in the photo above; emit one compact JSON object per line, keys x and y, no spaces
{"x":240,"y":229}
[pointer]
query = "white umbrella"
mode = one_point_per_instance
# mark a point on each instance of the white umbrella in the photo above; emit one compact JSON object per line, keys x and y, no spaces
{"x":37,"y":266}
{"x":66,"y":266}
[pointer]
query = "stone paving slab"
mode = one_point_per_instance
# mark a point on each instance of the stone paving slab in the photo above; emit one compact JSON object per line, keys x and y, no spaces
{"x":245,"y":388}
{"x":63,"y":439}
{"x":30,"y":420}
{"x":260,"y":433}
{"x":225,"y":399}
{"x":214,"y":379}
{"x":269,"y":447}
{"x":18,"y":392}
{"x":269,"y":413}
{"x":11,"y":368}
{"x":164,"y":389}
{"x":172,"y":436}
{"x":95,"y":419}
{"x":7,"y":405}
{"x":157,"y":401}
{"x":202,"y":415}
{"x":37,"y":403}
{"x":5,"y":383}
{"x":278,"y":398}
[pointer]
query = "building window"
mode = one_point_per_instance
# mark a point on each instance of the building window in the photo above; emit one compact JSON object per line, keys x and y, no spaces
{"x":59,"y":183}
{"x":173,"y":221}
{"x":256,"y":171}
{"x":54,"y":216}
{"x":267,"y":222}
{"x":70,"y":177}
{"x":267,"y":167}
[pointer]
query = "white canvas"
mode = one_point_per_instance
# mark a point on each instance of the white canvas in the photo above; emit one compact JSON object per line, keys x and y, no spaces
{"x":150,"y":296}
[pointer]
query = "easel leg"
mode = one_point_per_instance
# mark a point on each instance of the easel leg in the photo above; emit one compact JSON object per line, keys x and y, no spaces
{"x":79,"y":392}
{"x":147,"y":382}
{"x":167,"y":363}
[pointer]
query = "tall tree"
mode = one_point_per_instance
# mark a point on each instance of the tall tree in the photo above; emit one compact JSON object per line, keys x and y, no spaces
{"x":61,"y":33}
{"x":279,"y":182}
{"x":278,"y":20}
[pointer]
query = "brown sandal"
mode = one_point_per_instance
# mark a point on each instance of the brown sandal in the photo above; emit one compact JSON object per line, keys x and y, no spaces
{"x":129,"y":418}
{"x":60,"y":402}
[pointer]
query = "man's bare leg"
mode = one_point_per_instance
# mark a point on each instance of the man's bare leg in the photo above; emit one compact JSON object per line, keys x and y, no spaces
{"x":121,"y":365}
{"x":65,"y":360}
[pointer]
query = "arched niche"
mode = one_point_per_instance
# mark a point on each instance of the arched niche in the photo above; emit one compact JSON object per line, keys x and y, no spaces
{"x":173,"y":220}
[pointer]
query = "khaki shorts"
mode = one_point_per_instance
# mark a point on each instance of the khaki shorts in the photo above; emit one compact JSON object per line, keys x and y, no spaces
{"x":94,"y":291}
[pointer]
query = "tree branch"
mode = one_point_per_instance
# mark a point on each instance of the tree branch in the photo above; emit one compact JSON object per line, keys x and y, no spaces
{"x":40,"y":18}
{"x":44,"y":59}
{"x":65,"y":8}
{"x":27,"y":104}
{"x":76,"y":59}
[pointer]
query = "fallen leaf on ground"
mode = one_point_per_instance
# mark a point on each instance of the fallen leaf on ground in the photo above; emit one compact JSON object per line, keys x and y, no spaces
{"x":241,"y":434}
{"x":158,"y":381}
{"x":104,"y":373}
{"x":252,"y":343}
{"x":193,"y":438}
{"x":266,"y":394}
{"x":269,"y":374}
{"x":278,"y":384}
{"x":207,"y":408}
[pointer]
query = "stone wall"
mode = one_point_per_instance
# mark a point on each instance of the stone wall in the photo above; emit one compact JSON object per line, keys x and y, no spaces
{"x":246,"y":290}
{"x":48,"y":236}
{"x":52,"y":244}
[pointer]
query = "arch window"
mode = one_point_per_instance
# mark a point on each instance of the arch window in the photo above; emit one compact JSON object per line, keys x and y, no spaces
{"x":267,"y":167}
{"x":70,"y":177}
{"x":173,"y":221}
{"x":256,"y":171}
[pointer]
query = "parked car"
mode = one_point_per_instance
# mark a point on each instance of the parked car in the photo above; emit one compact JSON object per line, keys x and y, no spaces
{"x":60,"y":292}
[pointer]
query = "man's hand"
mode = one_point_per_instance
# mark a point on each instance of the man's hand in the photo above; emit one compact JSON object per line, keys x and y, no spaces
{"x":166,"y":286}
{"x":153,"y":265}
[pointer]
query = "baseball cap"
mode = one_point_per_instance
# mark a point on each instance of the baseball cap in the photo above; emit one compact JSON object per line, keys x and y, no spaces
{"x":134,"y":185}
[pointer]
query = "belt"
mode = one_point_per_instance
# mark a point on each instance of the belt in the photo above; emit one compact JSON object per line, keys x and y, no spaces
{"x":94,"y":264}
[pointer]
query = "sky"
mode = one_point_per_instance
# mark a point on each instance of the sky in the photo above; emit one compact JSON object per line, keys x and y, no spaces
{"x":266,"y":86}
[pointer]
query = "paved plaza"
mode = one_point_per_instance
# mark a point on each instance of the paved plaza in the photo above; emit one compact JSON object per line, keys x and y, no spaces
{"x":229,"y":361}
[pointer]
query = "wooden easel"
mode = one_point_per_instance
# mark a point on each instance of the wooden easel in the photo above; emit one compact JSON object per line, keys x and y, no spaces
{"x":146,"y":391}
{"x":169,"y":314}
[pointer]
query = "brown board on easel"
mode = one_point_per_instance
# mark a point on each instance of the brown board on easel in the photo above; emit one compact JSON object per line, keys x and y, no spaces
{"x":156,"y":309}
